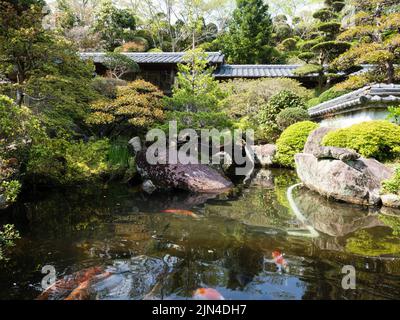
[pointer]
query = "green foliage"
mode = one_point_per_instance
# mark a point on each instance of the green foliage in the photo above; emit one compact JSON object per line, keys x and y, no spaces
{"x":374,"y":139}
{"x":10,"y":190}
{"x":137,"y":44}
{"x":18,"y":129}
{"x":394,"y":114}
{"x":137,"y":107}
{"x":62,"y":162}
{"x":375,"y":40}
{"x":392,"y":185}
{"x":198,"y":120}
{"x":247,"y":97}
{"x":119,"y":64}
{"x":114,"y":24}
{"x":308,"y":69}
{"x":249,"y":37}
{"x":292,"y":141}
{"x":268,"y":113}
{"x":290,"y":116}
{"x":8,"y":236}
{"x":107,"y":86}
{"x":196,"y":88}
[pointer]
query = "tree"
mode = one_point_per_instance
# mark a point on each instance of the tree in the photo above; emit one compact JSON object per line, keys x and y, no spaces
{"x":137,"y":107}
{"x":249,"y":37}
{"x":25,"y":47}
{"x":375,"y":38}
{"x":119,"y":64}
{"x":323,"y":47}
{"x":196,"y":89}
{"x":114,"y":25}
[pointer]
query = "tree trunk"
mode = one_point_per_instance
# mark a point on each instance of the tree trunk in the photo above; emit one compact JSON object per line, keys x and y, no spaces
{"x":390,"y":72}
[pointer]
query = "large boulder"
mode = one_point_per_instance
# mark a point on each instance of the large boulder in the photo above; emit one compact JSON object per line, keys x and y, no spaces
{"x":391,"y":201}
{"x":340,"y":173}
{"x":356,"y":182}
{"x":264,"y":155}
{"x":190,"y":177}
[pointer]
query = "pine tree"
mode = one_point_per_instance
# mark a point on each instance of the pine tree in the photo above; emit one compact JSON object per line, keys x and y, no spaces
{"x":249,"y":37}
{"x":324,"y":46}
{"x":375,"y":38}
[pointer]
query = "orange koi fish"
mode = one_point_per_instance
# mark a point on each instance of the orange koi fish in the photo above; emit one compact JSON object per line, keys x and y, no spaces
{"x":207,"y":294}
{"x":75,"y":286}
{"x":181,"y":212}
{"x":280,"y":260}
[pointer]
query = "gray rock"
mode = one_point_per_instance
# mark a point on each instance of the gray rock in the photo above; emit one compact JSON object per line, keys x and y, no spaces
{"x":391,"y":200}
{"x":148,"y":187}
{"x":191,"y":177}
{"x":264,"y":155}
{"x":136,"y":144}
{"x":314,"y":141}
{"x":336,"y":153}
{"x":357,"y":182}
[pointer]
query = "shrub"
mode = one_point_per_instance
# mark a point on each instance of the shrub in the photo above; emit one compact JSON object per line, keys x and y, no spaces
{"x":374,"y":139}
{"x":137,"y":44}
{"x":8,"y":236}
{"x":394,"y":114}
{"x":247,"y":97}
{"x":137,"y":107}
{"x":10,"y":190}
{"x":268,"y":113}
{"x":198,"y":120}
{"x":119,"y":64}
{"x":107,"y":86}
{"x":290,"y":116}
{"x":62,"y":162}
{"x":292,"y":141}
{"x":392,"y":185}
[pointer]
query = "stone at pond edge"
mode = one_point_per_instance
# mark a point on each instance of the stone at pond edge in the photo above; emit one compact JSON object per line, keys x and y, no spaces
{"x":391,"y":200}
{"x":357,"y":182}
{"x":190,"y":177}
{"x":314,"y":141}
{"x":264,"y":155}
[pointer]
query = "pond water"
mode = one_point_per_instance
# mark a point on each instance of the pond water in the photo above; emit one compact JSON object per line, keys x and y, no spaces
{"x":136,"y":246}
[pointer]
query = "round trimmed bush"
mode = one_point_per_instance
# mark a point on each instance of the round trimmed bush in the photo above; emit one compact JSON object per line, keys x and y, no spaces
{"x":290,"y":116}
{"x":292,"y":141}
{"x":374,"y":139}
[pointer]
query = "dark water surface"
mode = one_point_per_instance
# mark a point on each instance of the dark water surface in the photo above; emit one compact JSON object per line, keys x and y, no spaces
{"x":228,"y":245}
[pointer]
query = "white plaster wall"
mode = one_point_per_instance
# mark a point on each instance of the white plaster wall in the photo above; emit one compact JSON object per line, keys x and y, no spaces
{"x":348,"y":119}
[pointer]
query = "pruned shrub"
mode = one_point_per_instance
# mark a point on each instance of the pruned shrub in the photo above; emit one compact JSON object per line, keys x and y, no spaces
{"x":290,"y":116}
{"x":374,"y":139}
{"x":267,"y":117}
{"x":107,"y":86}
{"x":392,"y":185}
{"x":247,"y":97}
{"x":292,"y":141}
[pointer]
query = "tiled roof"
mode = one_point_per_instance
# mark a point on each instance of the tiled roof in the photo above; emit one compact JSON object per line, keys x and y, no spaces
{"x":256,"y":71}
{"x":376,"y":93}
{"x":154,"y":57}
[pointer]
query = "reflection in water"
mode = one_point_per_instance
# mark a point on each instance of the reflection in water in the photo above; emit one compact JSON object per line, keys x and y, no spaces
{"x":168,"y":246}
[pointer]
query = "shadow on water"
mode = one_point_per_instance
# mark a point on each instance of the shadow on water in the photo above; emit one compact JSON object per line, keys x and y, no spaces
{"x":141,"y":251}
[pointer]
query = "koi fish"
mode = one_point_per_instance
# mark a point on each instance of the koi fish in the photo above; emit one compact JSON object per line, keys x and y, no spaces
{"x":207,"y":294}
{"x":181,"y":212}
{"x":75,"y":286}
{"x":280,"y":260}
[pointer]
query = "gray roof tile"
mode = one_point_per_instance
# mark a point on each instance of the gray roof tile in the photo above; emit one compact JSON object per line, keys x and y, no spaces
{"x":382,"y":93}
{"x":154,"y":57}
{"x":256,"y":71}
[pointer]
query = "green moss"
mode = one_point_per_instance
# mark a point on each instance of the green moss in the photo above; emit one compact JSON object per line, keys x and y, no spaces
{"x":292,"y":141}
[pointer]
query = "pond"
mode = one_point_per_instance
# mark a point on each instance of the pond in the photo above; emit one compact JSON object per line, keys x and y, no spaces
{"x":167,"y":245}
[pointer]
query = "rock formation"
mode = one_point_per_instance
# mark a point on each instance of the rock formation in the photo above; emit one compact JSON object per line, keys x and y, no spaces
{"x":340,"y":173}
